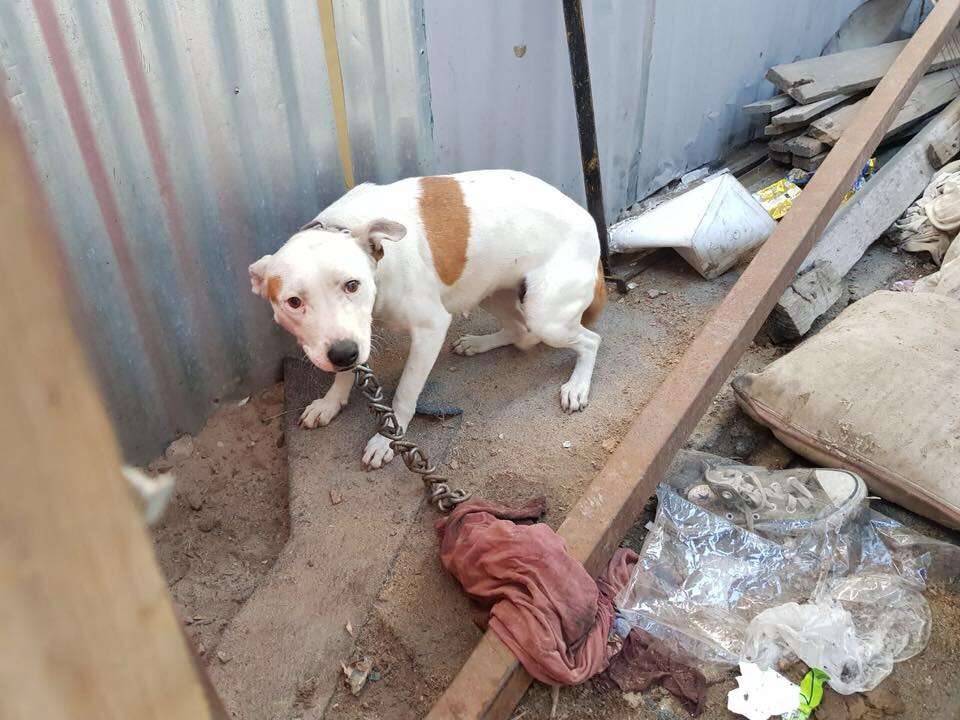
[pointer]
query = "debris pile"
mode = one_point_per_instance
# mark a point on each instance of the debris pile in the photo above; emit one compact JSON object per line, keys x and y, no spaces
{"x":753,"y":567}
{"x":820,"y":97}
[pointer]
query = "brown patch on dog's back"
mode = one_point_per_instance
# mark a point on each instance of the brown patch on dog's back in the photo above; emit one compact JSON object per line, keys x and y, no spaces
{"x":273,"y":287}
{"x":592,"y":313}
{"x":446,"y":221}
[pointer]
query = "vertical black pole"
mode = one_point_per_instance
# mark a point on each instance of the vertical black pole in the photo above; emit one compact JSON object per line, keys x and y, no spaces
{"x":583,"y":98}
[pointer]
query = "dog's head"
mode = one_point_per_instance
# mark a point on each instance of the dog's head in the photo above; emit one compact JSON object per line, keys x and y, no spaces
{"x":321,"y":287}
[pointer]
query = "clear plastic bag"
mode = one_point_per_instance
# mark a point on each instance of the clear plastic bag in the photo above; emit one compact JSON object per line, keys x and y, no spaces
{"x":854,"y":633}
{"x":703,"y":577}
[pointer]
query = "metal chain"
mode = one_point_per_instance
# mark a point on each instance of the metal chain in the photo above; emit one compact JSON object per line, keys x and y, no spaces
{"x":416,"y":460}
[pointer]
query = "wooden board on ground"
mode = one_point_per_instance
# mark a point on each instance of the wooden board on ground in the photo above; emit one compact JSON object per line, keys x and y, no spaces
{"x":808,"y":163}
{"x":745,"y":158}
{"x":860,"y":223}
{"x":775,"y":130}
{"x":782,"y":158}
{"x":932,"y":92}
{"x":89,"y":629}
{"x":820,"y":77}
{"x":779,"y":144}
{"x":278,"y":625}
{"x":770,"y":105}
{"x":806,"y":113}
{"x":804,"y":146}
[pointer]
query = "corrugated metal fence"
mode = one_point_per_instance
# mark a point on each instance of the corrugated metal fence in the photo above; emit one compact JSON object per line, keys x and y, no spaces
{"x":179,"y":141}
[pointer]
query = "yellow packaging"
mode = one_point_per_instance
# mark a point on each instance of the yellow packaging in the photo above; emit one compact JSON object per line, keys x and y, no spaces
{"x":777,"y":198}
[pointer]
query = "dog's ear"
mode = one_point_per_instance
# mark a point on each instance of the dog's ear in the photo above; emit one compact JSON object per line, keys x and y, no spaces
{"x":258,"y":275}
{"x":372,"y":235}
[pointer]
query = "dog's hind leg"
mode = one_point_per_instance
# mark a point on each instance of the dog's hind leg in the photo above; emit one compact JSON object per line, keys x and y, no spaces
{"x":504,"y":305}
{"x":553,"y":309}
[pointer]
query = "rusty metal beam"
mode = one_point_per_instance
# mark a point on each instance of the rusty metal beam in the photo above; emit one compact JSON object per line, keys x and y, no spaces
{"x":491,"y":682}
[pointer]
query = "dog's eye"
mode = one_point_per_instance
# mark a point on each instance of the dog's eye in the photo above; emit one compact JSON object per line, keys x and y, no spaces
{"x":351,"y":286}
{"x":294,"y":302}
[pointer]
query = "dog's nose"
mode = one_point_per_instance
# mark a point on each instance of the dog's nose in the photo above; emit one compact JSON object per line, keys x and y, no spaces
{"x":343,"y":353}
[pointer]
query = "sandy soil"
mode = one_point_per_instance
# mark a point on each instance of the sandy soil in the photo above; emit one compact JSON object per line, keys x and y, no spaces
{"x":228,"y":519}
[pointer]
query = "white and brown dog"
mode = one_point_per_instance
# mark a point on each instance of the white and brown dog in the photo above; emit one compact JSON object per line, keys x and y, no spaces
{"x":417,"y":251}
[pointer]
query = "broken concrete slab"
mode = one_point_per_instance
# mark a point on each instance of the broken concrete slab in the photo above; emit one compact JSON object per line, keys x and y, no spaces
{"x":809,"y":164}
{"x":329,"y":573}
{"x":805,"y":146}
{"x":862,"y":220}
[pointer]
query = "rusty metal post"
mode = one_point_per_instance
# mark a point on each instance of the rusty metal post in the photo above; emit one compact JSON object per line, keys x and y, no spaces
{"x":586,"y":124}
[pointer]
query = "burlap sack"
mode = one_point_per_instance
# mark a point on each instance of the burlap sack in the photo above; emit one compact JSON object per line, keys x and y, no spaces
{"x":876,"y":392}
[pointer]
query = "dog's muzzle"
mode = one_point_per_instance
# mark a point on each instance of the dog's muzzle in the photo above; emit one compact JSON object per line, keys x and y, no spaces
{"x":343,"y":354}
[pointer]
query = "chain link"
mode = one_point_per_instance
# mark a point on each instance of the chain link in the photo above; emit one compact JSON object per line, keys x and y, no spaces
{"x":438,"y":488}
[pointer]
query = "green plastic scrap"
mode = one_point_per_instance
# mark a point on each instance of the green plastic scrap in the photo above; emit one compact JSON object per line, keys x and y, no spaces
{"x":811,"y":694}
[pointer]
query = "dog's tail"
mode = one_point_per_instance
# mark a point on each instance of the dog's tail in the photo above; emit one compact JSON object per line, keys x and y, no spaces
{"x":592,"y":313}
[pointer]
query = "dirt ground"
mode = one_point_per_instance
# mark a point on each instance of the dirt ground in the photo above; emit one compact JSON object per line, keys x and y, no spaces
{"x":229,"y":520}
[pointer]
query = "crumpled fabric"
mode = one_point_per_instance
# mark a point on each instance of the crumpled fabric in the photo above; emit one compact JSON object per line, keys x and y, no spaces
{"x":931,"y":223}
{"x":946,"y":281}
{"x":542,"y":602}
{"x":645,"y":661}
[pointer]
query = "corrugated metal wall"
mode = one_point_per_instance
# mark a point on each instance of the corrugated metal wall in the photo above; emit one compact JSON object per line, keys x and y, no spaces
{"x":179,"y":140}
{"x":669,"y":79}
{"x":176,"y":142}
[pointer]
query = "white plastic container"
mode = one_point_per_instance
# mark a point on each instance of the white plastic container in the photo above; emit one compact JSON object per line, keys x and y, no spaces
{"x":712,"y":226}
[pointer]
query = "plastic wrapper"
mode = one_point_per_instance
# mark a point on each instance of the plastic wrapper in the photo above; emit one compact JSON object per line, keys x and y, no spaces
{"x":703,"y":577}
{"x":777,"y":198}
{"x":854,"y":632}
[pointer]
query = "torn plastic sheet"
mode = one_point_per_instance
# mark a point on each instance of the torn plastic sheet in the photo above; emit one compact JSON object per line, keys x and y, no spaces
{"x":854,"y":631}
{"x":702,"y":577}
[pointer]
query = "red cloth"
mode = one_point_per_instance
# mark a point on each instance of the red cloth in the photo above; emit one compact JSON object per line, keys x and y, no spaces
{"x":542,"y":602}
{"x":644,"y":661}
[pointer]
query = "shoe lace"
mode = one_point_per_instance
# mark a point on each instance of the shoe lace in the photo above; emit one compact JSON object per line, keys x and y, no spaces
{"x":742,"y":490}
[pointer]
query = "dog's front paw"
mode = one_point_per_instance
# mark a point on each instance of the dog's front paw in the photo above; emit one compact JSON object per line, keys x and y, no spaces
{"x":378,"y":452}
{"x":320,"y":412}
{"x":574,"y":396}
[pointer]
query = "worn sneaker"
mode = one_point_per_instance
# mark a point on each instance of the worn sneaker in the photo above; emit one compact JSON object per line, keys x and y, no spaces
{"x":751,"y":496}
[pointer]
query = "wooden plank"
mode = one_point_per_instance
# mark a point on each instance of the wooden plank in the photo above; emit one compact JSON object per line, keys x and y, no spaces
{"x":744,"y":159}
{"x":331,"y":52}
{"x":490,"y":684}
{"x":768,"y":106}
{"x":942,"y":150}
{"x":808,"y":163}
{"x":782,"y":144}
{"x":89,"y":630}
{"x":806,"y":113}
{"x":781,"y":158}
{"x":776,"y":130}
{"x":804,"y":146}
{"x":820,"y":77}
{"x":861,"y":222}
{"x":933,"y":91}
